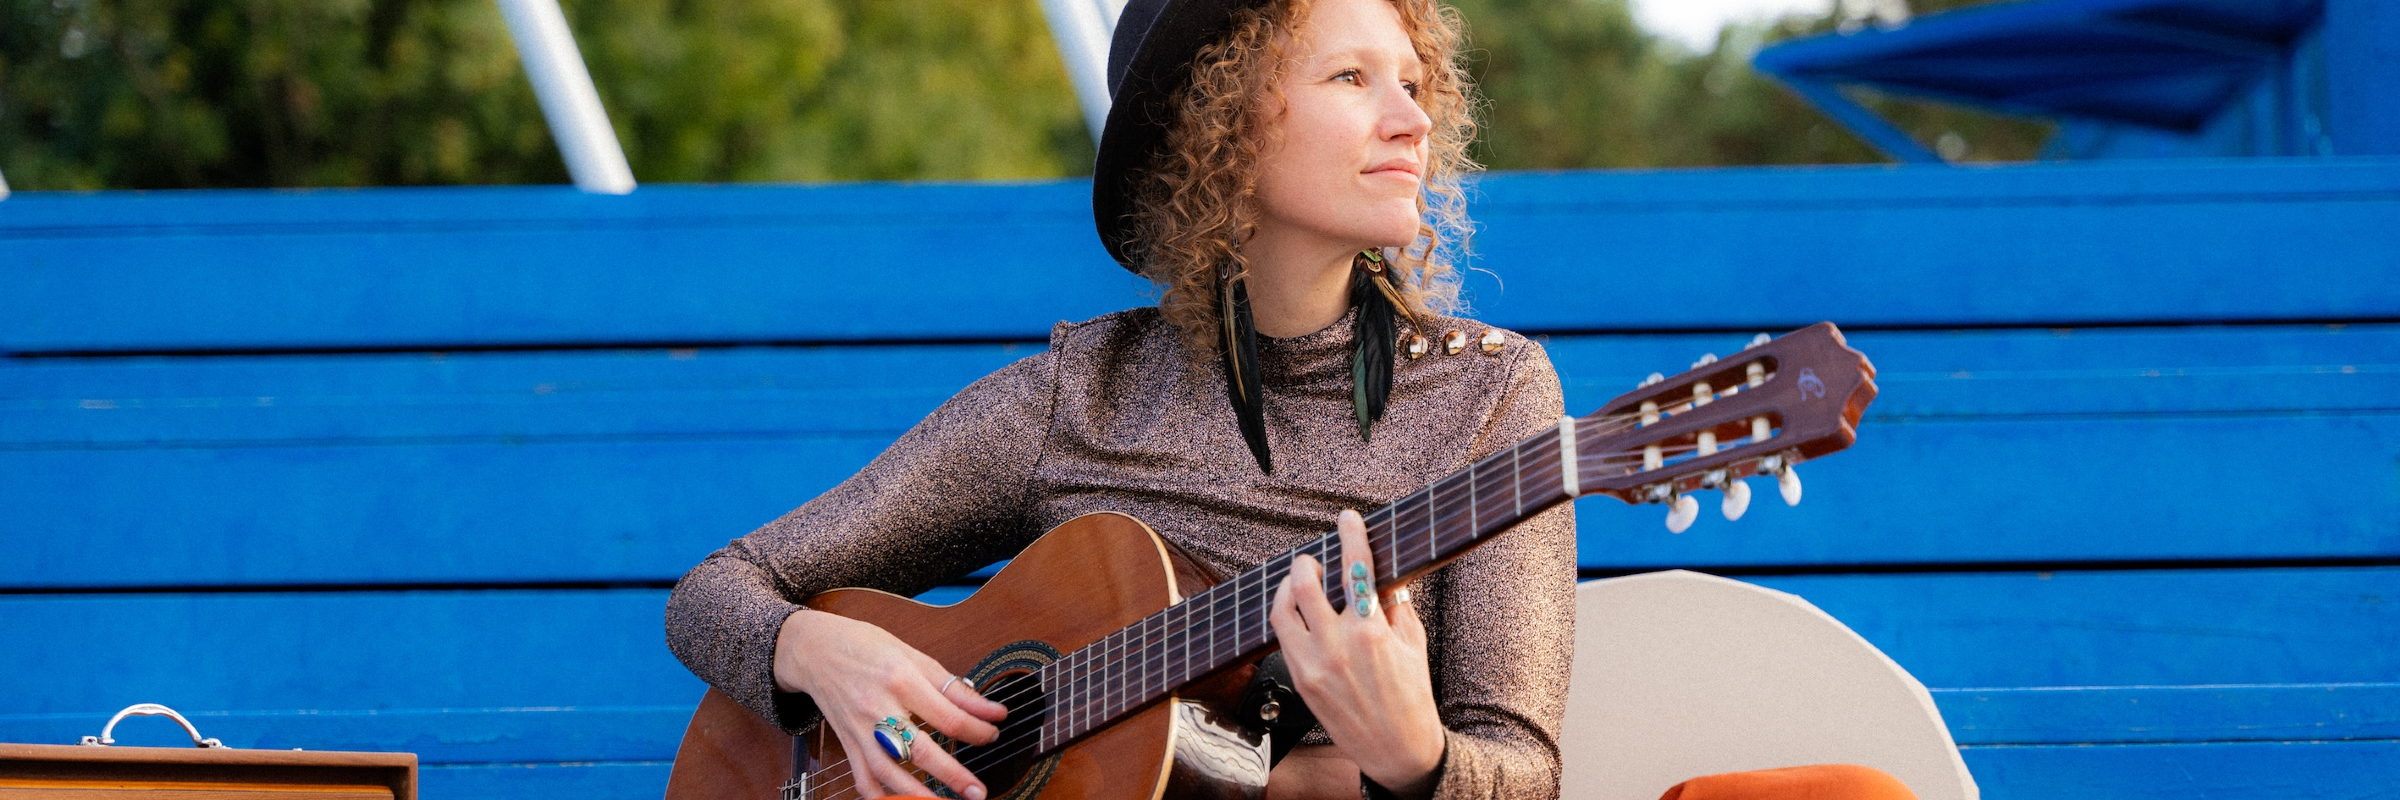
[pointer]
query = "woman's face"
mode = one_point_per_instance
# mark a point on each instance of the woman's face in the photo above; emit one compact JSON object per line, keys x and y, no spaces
{"x":1345,"y":159}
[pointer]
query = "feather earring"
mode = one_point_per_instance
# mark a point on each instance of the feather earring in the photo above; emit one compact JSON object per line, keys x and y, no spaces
{"x":1242,"y":382}
{"x":1371,"y":339}
{"x":1373,"y":335}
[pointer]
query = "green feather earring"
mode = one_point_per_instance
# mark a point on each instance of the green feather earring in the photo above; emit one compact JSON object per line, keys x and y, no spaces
{"x":1373,"y":334}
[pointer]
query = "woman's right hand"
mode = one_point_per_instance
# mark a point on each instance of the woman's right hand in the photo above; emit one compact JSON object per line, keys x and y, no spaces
{"x":858,"y":674}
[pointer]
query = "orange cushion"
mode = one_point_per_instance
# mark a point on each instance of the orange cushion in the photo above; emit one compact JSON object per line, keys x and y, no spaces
{"x":1814,"y":782}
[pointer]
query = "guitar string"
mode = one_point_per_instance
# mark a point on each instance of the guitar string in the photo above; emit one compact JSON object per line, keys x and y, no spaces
{"x":971,"y":761}
{"x":833,"y":771}
{"x":979,"y":760}
{"x":1150,"y":660}
{"x":1606,"y":426}
{"x":1283,"y":563}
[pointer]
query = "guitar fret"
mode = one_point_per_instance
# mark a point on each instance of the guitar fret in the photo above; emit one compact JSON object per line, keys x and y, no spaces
{"x":1083,"y":687}
{"x":1183,"y":637}
{"x":1430,"y":555}
{"x":1516,"y":476}
{"x":1388,"y":556}
{"x":1119,"y":661}
{"x":1127,"y":670}
{"x":1150,"y":669}
{"x":1137,"y":659}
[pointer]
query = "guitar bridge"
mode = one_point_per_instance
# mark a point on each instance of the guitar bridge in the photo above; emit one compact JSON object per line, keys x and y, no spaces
{"x":795,"y":790}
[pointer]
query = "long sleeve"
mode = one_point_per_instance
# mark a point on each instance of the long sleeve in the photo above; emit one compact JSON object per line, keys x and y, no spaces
{"x":1508,"y":622}
{"x":949,"y":496}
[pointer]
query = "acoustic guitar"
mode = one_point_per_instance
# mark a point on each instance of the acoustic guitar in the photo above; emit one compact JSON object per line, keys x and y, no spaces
{"x":1122,"y":661}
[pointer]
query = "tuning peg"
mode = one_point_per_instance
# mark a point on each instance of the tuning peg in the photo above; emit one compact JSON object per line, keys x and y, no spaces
{"x":1758,"y":340}
{"x":1705,"y":360}
{"x":1788,"y":480}
{"x":1650,"y":381}
{"x":1682,"y":512}
{"x":1737,"y":499}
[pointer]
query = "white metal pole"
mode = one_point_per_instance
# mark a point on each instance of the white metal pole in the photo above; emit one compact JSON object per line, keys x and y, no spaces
{"x":569,"y":103}
{"x":3,"y":187}
{"x":1081,"y":29}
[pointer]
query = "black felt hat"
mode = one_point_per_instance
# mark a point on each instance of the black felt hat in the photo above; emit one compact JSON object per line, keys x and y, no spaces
{"x":1149,"y":60}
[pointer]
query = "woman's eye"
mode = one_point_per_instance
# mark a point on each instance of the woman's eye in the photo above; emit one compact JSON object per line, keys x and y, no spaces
{"x":1349,"y":76}
{"x":1411,"y":87}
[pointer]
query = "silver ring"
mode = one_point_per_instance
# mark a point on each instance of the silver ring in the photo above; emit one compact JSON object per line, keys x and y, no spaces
{"x":945,"y":690}
{"x":1400,"y":596}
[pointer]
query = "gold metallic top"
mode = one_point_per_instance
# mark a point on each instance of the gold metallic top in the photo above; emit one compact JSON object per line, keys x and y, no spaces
{"x":1117,"y":416}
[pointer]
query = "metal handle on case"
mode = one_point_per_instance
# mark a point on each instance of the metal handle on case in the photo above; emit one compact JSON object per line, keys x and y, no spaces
{"x":148,"y":710}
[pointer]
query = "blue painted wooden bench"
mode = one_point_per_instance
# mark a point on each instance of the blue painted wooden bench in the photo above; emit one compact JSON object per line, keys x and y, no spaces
{"x":414,"y":469}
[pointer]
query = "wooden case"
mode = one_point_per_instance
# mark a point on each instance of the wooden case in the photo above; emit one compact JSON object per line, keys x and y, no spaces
{"x":79,"y":772}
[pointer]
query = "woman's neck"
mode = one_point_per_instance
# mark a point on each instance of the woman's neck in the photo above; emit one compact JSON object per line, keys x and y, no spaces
{"x":1298,"y":284}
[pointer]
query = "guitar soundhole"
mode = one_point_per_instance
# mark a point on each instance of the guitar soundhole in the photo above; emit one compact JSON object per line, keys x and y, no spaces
{"x":1011,"y":766}
{"x":1014,"y":760}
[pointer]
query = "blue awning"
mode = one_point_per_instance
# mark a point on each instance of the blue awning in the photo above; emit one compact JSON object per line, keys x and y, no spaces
{"x":2167,"y":64}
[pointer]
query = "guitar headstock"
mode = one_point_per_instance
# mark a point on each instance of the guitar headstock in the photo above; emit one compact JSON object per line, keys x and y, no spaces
{"x":1776,"y":403}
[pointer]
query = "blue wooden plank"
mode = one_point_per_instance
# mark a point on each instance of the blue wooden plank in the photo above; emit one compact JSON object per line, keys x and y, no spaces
{"x":581,"y":511}
{"x":422,"y":398}
{"x":2232,"y":771}
{"x":882,"y":389}
{"x":605,"y":780}
{"x":436,"y":735}
{"x":2041,"y":491}
{"x":2138,"y":714}
{"x":1939,"y":492}
{"x":490,"y":651}
{"x":430,"y":268}
{"x":339,"y":651}
{"x":514,"y":266}
{"x":2051,"y":373}
{"x":1984,"y":446}
{"x":2130,"y":628}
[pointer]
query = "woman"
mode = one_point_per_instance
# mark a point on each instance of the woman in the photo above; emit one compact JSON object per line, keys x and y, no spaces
{"x":1287,"y":171}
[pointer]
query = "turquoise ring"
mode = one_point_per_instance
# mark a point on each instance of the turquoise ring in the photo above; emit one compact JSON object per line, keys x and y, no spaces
{"x":895,"y":737}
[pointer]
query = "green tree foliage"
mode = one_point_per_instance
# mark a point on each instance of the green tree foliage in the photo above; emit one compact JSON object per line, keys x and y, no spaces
{"x":100,"y":93}
{"x":209,"y":93}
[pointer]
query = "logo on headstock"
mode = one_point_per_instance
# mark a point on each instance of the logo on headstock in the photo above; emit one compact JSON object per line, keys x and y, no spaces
{"x":1810,"y":385}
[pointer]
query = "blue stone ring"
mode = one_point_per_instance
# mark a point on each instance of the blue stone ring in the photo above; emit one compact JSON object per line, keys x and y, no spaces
{"x":895,"y":737}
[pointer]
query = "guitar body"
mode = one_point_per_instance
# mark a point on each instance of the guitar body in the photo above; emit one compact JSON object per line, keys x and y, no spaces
{"x":1083,"y":580}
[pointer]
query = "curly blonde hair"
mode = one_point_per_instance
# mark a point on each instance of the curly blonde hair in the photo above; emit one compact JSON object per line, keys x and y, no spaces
{"x":1193,"y":204}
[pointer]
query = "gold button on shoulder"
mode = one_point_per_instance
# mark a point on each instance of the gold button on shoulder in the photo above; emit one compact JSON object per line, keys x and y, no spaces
{"x":1493,"y":340}
{"x":1454,"y":342}
{"x":1417,"y":347}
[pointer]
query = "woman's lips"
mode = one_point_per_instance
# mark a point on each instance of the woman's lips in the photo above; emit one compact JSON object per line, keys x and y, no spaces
{"x":1397,"y":165}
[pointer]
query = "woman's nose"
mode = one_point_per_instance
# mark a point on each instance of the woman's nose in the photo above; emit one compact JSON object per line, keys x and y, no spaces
{"x":1402,"y":118}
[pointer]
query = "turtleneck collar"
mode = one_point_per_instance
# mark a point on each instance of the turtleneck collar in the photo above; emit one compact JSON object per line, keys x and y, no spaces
{"x":1309,"y":357}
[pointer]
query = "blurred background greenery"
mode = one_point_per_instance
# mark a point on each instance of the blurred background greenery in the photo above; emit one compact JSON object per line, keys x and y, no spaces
{"x":109,"y":94}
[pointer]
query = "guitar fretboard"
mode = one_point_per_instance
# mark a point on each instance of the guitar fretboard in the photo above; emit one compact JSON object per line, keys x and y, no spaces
{"x":1223,"y":624}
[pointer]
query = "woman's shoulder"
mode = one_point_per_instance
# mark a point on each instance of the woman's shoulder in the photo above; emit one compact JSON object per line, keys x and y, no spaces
{"x":1500,"y":352}
{"x":1140,"y":333}
{"x":1505,"y":374}
{"x":1140,"y":321}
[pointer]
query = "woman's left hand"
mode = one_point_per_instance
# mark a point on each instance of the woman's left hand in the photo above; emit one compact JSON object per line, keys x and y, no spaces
{"x":1365,"y":677}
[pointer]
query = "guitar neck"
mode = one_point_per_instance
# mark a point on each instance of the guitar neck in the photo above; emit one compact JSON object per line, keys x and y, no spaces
{"x":1227,"y":623}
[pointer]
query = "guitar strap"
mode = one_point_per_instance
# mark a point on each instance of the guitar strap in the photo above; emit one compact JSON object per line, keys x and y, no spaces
{"x":1272,"y":707}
